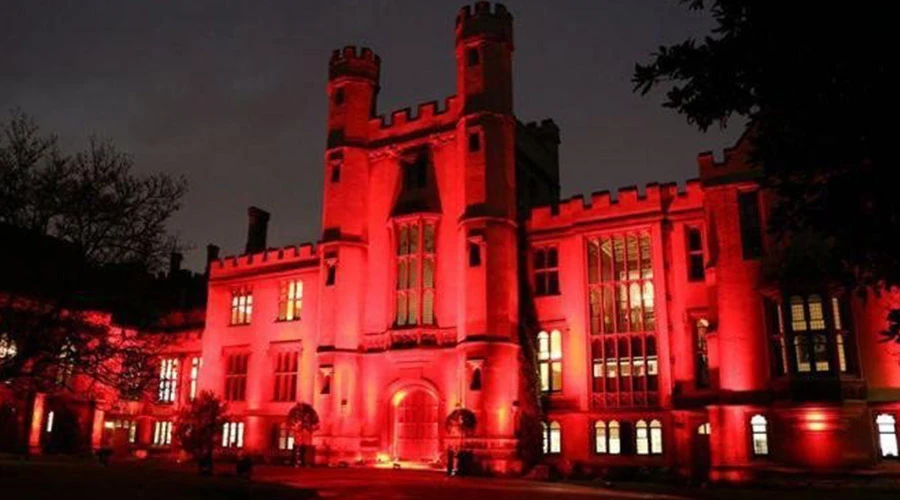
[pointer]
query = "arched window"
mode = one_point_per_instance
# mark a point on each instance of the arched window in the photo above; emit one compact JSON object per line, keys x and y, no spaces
{"x":641,"y":438}
{"x":550,"y":360}
{"x":552,"y":437}
{"x":600,"y":437}
{"x":615,"y":438}
{"x":656,"y":438}
{"x":759,"y":430}
{"x":887,"y":435}
{"x":475,"y":385}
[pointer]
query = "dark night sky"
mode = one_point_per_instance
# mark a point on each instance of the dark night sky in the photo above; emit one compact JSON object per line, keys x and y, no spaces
{"x":232,"y":93}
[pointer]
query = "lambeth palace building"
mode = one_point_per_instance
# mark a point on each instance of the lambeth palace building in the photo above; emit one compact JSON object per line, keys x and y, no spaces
{"x":639,"y":326}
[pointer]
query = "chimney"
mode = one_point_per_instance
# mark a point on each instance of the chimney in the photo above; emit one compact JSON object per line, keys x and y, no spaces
{"x":212,"y":253}
{"x":175,"y":259}
{"x":256,"y":230}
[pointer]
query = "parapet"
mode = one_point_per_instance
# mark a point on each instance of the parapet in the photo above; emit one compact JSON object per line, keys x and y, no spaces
{"x":483,"y":21}
{"x":735,"y":166}
{"x":403,"y":122}
{"x":656,"y":199}
{"x":546,"y":131}
{"x":265,"y":260}
{"x":348,"y":62}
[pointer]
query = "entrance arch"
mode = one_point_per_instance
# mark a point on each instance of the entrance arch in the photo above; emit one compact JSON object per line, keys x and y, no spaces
{"x":415,"y":425}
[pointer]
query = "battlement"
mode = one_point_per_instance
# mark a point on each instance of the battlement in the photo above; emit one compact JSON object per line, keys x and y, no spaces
{"x":662,"y":198}
{"x":353,"y":62}
{"x":292,"y":254}
{"x":735,"y":165}
{"x":545,"y":131}
{"x":404,"y":121}
{"x":484,"y":20}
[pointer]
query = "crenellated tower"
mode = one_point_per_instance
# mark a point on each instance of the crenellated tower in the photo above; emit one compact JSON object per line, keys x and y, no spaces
{"x":488,"y":297}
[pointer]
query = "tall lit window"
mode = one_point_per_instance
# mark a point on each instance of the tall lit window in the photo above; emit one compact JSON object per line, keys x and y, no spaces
{"x":696,"y":271}
{"x":287,"y":364}
{"x":887,"y":435}
{"x":129,"y":428}
{"x":168,"y":380}
{"x":241,"y":306}
{"x":162,"y":433}
{"x":819,"y":338}
{"x":8,"y":348}
{"x":415,"y":273}
{"x":290,"y":300}
{"x":759,"y":432}
{"x":236,"y":376}
{"x":656,"y":438}
{"x":607,"y":438}
{"x":233,"y":435}
{"x":552,"y":437}
{"x":641,"y":438}
{"x":702,"y":353}
{"x":285,"y":440}
{"x":648,"y":438}
{"x":622,"y":319}
{"x":546,"y":271}
{"x":196,"y":362}
{"x":550,"y":360}
{"x":50,"y":417}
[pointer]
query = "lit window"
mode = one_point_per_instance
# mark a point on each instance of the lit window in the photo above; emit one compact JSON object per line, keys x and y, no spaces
{"x":66,"y":366}
{"x":236,"y":376}
{"x":233,"y":435}
{"x":287,"y":365}
{"x":615,"y":438}
{"x":759,"y":429}
{"x":50,"y":417}
{"x":656,"y":438}
{"x":641,"y":438}
{"x":196,"y":362}
{"x":7,"y":347}
{"x":290,"y":300}
{"x":546,"y":271}
{"x":550,"y":360}
{"x":696,"y":271}
{"x":704,"y":429}
{"x":552,"y":438}
{"x":819,"y":341}
{"x":702,"y":353}
{"x":241,"y":306}
{"x":415,"y":291}
{"x":162,"y":433}
{"x":168,"y":380}
{"x":887,"y":435}
{"x":285,"y":437}
{"x":601,"y":445}
{"x":621,"y":300}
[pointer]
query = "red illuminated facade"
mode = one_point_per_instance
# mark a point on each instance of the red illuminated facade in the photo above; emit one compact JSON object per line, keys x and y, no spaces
{"x":657,"y":339}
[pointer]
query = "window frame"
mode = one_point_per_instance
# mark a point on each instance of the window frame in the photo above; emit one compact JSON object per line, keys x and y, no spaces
{"x":412,"y":292}
{"x":696,"y":272}
{"x":552,"y":429}
{"x":759,"y":427}
{"x":545,"y":270}
{"x":237,"y":366}
{"x":286,"y":374}
{"x":168,"y":380}
{"x":241,"y":306}
{"x":290,"y":300}
{"x":881,"y":432}
{"x":550,"y":360}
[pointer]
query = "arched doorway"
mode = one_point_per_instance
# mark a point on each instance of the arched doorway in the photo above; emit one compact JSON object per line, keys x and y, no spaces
{"x":415,"y":425}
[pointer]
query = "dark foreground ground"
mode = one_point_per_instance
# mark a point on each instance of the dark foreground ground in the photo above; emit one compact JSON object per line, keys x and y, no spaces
{"x":63,"y":479}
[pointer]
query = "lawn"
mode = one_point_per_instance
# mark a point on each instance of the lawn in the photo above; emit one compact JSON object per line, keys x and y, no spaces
{"x":58,"y":479}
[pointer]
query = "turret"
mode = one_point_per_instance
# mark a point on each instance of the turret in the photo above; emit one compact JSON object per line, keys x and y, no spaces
{"x":352,"y":90}
{"x":484,"y":45}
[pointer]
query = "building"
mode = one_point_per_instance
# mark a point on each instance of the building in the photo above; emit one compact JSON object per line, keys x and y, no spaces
{"x":449,"y":275}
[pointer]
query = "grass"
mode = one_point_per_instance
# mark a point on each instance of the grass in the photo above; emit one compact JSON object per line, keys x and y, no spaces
{"x":56,"y":479}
